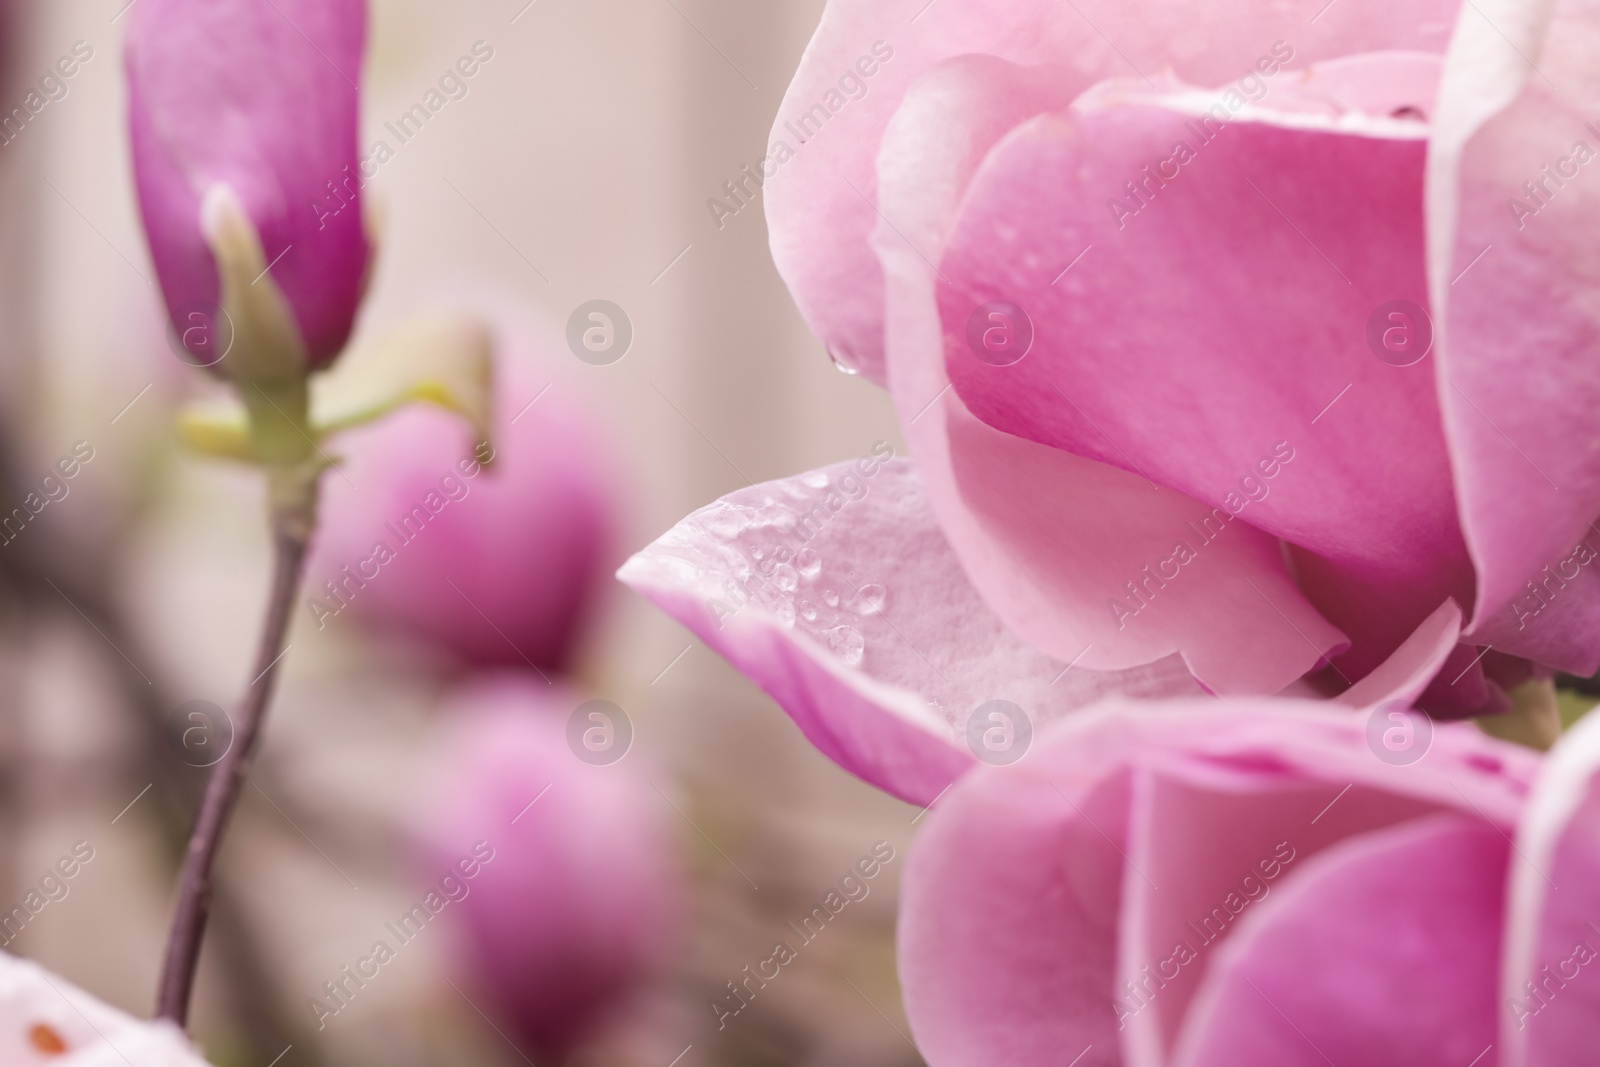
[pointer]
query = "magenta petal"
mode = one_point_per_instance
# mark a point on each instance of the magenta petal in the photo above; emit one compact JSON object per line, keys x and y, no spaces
{"x":1418,"y":660}
{"x":1190,"y":884}
{"x":1251,"y":388}
{"x":838,"y":594}
{"x":820,"y":203}
{"x":1076,"y":556}
{"x":1513,"y":272}
{"x":261,"y":97}
{"x":1382,"y":950}
{"x":1553,"y":938}
{"x":1118,"y":801}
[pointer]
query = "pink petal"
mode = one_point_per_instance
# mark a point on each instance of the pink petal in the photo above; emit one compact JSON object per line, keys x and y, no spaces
{"x":1191,"y":796}
{"x":820,"y":204}
{"x":1250,"y":388}
{"x":46,"y":1021}
{"x":838,"y":594}
{"x":1418,"y":660}
{"x":1059,"y":545}
{"x":1191,"y":884}
{"x":499,"y":566}
{"x":264,"y":98}
{"x":1382,"y":950}
{"x":1513,"y":276}
{"x":1553,"y":935}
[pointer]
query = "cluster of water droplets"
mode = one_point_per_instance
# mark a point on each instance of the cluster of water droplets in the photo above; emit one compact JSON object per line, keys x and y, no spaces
{"x":740,"y":552}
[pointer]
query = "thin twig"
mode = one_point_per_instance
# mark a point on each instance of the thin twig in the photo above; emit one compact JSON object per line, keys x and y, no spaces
{"x":289,"y":544}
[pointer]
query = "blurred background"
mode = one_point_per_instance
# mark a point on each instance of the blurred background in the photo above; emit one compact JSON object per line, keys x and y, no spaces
{"x":575,"y":166}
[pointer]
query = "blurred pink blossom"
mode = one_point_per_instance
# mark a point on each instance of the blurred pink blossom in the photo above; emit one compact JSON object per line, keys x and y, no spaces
{"x":262,"y":98}
{"x":579,"y":903}
{"x":497,"y":564}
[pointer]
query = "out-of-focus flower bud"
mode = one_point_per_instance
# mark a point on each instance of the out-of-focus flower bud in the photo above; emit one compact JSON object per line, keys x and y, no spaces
{"x":498,"y":564}
{"x":262,"y":98}
{"x":573,"y":896}
{"x":46,"y":1020}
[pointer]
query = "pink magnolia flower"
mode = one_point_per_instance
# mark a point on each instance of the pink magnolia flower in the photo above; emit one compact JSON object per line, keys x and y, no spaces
{"x":46,"y":1020}
{"x":577,"y":905}
{"x":838,"y":592}
{"x":1221,"y":333}
{"x":1243,"y":883}
{"x":499,"y":564}
{"x":261,"y":97}
{"x":1209,"y":334}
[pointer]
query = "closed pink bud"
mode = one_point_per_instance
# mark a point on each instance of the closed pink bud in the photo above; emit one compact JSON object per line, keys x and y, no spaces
{"x":563,"y":890}
{"x":261,"y":96}
{"x":498,"y":564}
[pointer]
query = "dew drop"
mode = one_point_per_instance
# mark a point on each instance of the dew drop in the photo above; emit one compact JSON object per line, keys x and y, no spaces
{"x":784,"y":610}
{"x":758,"y":555}
{"x":843,"y":360}
{"x":785,"y":578}
{"x":809,"y":562}
{"x":847,"y":643}
{"x":869,"y":600}
{"x":808,"y":611}
{"x":830,"y":598}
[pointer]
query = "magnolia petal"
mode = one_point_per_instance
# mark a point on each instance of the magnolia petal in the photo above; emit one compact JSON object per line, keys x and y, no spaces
{"x":838,"y":594}
{"x":1113,"y":814}
{"x":867,"y":53}
{"x":46,"y":1021}
{"x":1077,"y":557}
{"x":1513,"y":275}
{"x":1192,"y":886}
{"x":263,"y":99}
{"x":1381,"y":950}
{"x":1412,"y":666}
{"x":1553,"y":934}
{"x":1251,"y":389}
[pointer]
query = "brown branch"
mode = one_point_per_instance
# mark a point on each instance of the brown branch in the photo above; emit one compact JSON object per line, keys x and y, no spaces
{"x":289,"y":542}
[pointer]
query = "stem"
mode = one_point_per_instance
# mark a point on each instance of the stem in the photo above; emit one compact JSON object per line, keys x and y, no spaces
{"x":290,"y":540}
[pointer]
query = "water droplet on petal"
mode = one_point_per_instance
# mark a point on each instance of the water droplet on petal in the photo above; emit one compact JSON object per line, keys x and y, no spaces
{"x":830,"y":598}
{"x":808,"y":611}
{"x":785,"y":578}
{"x":847,"y":643}
{"x":869,"y":599}
{"x":844,"y":360}
{"x":809,"y":562}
